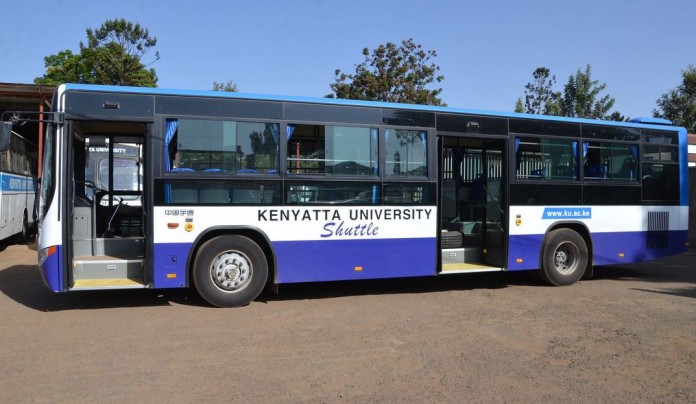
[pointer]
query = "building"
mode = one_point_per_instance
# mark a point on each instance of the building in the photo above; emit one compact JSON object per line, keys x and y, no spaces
{"x":27,"y":97}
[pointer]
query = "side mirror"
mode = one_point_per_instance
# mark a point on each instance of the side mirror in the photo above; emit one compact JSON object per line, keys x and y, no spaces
{"x":5,"y":135}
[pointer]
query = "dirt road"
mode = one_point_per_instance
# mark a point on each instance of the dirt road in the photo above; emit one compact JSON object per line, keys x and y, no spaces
{"x":627,"y":336}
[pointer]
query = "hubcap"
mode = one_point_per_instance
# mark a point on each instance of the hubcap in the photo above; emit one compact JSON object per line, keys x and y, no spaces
{"x":231,"y":271}
{"x":566,"y":258}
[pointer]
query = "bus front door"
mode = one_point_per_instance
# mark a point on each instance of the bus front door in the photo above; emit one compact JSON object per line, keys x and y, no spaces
{"x":108,"y":223}
{"x":472,"y":200}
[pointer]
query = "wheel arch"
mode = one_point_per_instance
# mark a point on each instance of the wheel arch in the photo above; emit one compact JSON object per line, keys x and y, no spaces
{"x":583,"y":231}
{"x":253,"y":233}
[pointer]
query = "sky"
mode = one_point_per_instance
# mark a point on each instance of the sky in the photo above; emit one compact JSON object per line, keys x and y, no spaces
{"x":486,"y":50}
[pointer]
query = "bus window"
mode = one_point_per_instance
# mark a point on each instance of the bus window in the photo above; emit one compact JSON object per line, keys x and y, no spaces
{"x":546,"y":159}
{"x":660,"y":153}
{"x":214,"y":146}
{"x":660,"y":173}
{"x":610,"y":161}
{"x":419,"y":193}
{"x":407,"y":153}
{"x":126,"y":175}
{"x":660,"y":182}
{"x":337,"y":150}
{"x":332,"y":193}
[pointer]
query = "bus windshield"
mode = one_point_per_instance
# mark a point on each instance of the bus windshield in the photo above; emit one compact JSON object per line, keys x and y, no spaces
{"x":125,"y":174}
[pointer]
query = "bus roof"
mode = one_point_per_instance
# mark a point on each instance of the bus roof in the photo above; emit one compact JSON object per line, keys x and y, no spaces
{"x":636,"y":122}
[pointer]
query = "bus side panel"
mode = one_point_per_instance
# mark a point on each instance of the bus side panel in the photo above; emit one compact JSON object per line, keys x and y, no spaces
{"x":333,"y":260}
{"x":13,"y":202}
{"x":620,"y":234}
{"x":170,"y":264}
{"x":608,"y":248}
{"x":618,"y":248}
{"x":524,"y":251}
{"x":622,"y":248}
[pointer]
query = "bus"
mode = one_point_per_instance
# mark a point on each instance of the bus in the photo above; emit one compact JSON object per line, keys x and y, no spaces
{"x":18,"y":163}
{"x":237,"y":193}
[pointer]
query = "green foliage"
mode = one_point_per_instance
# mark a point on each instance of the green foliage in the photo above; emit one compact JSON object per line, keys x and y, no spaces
{"x":539,"y":95}
{"x":580,"y":97}
{"x":64,"y":67}
{"x":616,"y":116}
{"x":679,"y":104}
{"x":392,"y":73}
{"x":229,"y":87}
{"x":519,"y":106}
{"x":112,"y":55}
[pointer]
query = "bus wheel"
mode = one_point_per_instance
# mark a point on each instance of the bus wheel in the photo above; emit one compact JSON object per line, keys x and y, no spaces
{"x":230,"y":271}
{"x":564,"y":257}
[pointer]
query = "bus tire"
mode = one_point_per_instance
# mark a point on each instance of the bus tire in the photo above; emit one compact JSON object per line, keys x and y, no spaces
{"x":564,"y":257}
{"x":451,"y":239}
{"x":230,"y":271}
{"x":24,"y":234}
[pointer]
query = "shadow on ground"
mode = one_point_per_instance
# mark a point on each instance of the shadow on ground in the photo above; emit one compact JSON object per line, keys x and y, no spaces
{"x":23,"y":284}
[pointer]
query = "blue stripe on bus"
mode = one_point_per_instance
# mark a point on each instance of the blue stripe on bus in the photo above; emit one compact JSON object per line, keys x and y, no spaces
{"x":524,"y":251}
{"x":51,"y":270}
{"x":608,"y":248}
{"x":334,"y":260}
{"x":170,"y":265}
{"x":321,"y":260}
{"x":16,"y":183}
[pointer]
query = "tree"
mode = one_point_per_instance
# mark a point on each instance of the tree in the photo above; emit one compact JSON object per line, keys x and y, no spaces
{"x":64,"y":67}
{"x":229,"y":87}
{"x":113,"y":55}
{"x":392,"y":73}
{"x":616,"y":116}
{"x":679,"y":104}
{"x":580,"y":97}
{"x":539,"y":97}
{"x":519,"y":106}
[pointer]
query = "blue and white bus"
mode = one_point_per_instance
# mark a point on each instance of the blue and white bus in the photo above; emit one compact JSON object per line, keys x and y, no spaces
{"x":242,"y":192}
{"x":18,"y":163}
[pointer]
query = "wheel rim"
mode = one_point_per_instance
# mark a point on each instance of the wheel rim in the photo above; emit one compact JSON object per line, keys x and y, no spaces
{"x":231,"y":271}
{"x":565,"y":258}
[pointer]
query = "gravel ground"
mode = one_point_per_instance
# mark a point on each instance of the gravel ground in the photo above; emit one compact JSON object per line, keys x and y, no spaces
{"x":627,"y":336}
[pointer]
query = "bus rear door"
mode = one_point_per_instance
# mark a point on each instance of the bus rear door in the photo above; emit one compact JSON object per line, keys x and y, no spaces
{"x":473,"y":177}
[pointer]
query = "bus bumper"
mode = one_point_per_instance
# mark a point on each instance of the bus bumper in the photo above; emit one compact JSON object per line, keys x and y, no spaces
{"x":49,"y":265}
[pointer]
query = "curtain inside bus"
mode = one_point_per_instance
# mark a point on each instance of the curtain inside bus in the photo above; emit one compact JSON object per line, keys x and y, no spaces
{"x":170,"y":130}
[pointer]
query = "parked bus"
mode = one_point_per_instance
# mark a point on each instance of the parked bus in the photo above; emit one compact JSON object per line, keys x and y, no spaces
{"x":242,"y":192}
{"x":18,"y":163}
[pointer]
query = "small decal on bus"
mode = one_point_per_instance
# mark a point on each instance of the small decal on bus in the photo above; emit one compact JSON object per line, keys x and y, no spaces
{"x":567,"y":213}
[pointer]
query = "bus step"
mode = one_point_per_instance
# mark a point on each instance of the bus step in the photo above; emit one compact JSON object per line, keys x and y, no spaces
{"x":464,"y":260}
{"x":115,"y":283}
{"x":466,"y":268}
{"x":95,"y":272}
